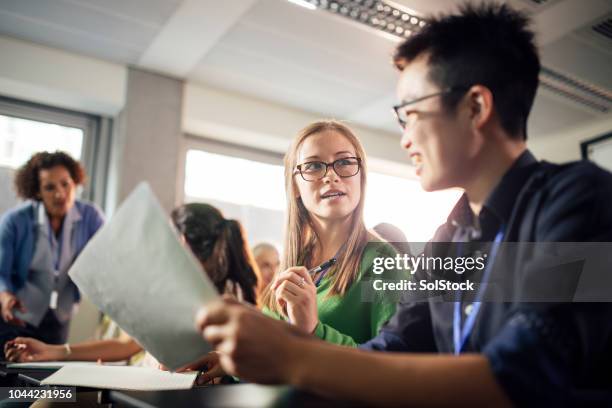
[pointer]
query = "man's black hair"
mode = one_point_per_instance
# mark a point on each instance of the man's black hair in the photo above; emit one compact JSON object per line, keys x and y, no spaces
{"x":487,"y":44}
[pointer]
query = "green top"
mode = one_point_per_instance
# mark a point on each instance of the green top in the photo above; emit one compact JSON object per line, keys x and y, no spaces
{"x":350,"y":320}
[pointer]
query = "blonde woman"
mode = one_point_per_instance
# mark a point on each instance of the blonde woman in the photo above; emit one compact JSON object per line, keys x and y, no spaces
{"x":325,"y":180}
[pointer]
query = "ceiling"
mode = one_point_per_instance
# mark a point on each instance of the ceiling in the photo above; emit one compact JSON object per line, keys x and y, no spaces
{"x":312,"y":60}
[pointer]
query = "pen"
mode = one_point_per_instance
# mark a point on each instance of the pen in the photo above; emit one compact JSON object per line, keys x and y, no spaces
{"x":325,"y":265}
{"x":322,"y":268}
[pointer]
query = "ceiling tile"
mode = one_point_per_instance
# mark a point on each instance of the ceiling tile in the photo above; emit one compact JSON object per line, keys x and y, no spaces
{"x":151,"y":12}
{"x":279,"y":81}
{"x":83,"y":28}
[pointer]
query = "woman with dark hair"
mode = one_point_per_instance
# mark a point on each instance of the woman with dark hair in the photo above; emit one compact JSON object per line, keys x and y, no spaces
{"x":39,"y":241}
{"x":219,"y":245}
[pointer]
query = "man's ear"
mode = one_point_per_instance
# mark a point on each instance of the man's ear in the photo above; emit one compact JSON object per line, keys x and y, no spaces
{"x":480,"y":99}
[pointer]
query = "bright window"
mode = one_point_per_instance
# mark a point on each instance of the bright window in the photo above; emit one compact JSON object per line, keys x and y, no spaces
{"x":254,"y":193}
{"x":249,"y":191}
{"x":20,"y":138}
{"x":234,"y":180}
{"x":403,"y":203}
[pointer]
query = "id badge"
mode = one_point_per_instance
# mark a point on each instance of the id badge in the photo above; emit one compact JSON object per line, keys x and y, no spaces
{"x":53,"y":301}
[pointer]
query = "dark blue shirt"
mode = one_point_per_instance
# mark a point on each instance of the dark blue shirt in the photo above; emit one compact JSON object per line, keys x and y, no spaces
{"x":557,"y":353}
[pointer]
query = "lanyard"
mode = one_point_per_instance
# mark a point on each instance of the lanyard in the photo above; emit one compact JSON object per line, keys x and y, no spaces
{"x":321,"y":276}
{"x":56,"y":253}
{"x":460,"y":336}
{"x":57,"y":257}
{"x":324,"y":272}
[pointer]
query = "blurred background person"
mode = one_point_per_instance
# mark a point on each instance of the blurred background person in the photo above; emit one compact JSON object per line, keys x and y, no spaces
{"x":394,"y":236}
{"x":268,"y":260}
{"x":39,"y":241}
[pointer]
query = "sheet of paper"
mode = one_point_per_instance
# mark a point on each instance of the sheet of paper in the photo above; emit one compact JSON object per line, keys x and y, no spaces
{"x":121,"y":378}
{"x":54,"y":365}
{"x":136,"y":270}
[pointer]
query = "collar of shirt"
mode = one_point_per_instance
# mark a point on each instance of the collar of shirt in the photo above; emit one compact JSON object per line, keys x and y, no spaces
{"x":497,"y":208}
{"x":42,"y":220}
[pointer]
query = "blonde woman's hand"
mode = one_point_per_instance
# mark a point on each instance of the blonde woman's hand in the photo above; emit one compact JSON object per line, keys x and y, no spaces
{"x":295,"y":291}
{"x":209,"y":367}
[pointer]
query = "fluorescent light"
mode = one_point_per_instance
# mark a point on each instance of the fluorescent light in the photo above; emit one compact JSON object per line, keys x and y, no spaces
{"x":304,"y":3}
{"x":394,"y":21}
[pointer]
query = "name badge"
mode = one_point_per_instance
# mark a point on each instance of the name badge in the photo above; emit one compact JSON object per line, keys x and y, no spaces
{"x":53,"y":301}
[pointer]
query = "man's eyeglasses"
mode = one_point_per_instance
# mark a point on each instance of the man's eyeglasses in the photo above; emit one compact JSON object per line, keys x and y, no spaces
{"x":316,"y":170}
{"x":404,"y":115}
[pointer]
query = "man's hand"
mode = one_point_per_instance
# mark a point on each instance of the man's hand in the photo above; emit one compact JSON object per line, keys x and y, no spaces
{"x":8,"y":302}
{"x":208,"y":366}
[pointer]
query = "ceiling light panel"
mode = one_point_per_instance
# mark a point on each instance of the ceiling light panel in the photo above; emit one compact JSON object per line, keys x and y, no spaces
{"x":380,"y":15}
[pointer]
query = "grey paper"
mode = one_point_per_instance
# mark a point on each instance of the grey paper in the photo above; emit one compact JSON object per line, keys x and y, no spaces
{"x":137,"y":272}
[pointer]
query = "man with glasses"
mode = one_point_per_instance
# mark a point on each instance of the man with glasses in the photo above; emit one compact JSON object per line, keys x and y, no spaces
{"x":466,"y":87}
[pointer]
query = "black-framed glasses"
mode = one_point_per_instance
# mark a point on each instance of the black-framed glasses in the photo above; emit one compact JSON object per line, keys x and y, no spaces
{"x":404,"y":116}
{"x":316,"y":170}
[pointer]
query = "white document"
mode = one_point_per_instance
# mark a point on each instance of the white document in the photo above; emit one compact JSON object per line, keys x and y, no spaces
{"x":121,"y":378}
{"x":54,"y":365}
{"x":136,"y":271}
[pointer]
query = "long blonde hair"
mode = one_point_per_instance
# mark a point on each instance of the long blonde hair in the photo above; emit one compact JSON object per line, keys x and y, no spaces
{"x":301,"y":237}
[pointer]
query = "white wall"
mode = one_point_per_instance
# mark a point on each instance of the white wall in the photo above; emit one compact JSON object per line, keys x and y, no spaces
{"x":565,"y":146}
{"x":241,"y":120}
{"x":247,"y":121}
{"x":59,"y":78}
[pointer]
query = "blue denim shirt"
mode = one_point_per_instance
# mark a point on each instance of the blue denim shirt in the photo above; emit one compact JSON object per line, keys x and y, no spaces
{"x":554,"y":354}
{"x":18,"y":236}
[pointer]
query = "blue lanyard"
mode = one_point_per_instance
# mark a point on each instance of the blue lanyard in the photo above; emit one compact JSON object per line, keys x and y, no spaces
{"x":460,"y":336}
{"x":321,"y":276}
{"x":324,"y":272}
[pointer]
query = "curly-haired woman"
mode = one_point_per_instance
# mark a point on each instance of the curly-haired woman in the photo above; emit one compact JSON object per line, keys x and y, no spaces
{"x":39,"y":241}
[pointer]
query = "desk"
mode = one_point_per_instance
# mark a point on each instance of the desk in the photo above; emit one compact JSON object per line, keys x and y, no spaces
{"x":236,"y":395}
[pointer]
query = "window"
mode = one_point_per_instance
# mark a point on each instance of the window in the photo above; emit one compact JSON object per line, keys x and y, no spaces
{"x":26,"y":128}
{"x":254,"y":193}
{"x":21,"y":138}
{"x":598,"y":150}
{"x":250,"y":191}
{"x":403,"y":203}
{"x":234,"y":180}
